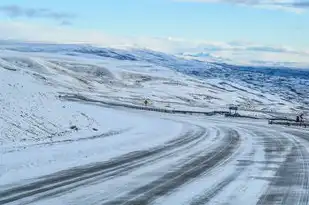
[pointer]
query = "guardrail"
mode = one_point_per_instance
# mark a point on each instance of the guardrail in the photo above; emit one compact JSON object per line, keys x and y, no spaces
{"x":76,"y":97}
{"x":288,"y":122}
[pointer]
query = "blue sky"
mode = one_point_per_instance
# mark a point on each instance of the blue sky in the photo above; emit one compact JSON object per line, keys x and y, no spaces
{"x":279,"y":24}
{"x":189,"y":20}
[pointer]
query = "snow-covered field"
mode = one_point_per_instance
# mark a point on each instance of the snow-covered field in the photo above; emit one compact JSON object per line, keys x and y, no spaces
{"x":54,"y":151}
{"x":130,"y":76}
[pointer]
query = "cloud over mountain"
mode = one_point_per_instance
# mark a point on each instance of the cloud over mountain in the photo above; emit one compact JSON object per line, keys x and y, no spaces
{"x":292,"y":5}
{"x":15,"y":11}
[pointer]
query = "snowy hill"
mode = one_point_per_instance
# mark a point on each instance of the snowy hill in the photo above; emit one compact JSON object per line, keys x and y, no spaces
{"x":132,"y":75}
{"x":33,"y":76}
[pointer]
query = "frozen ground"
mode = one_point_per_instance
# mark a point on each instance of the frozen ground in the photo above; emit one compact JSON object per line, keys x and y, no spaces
{"x":54,"y":151}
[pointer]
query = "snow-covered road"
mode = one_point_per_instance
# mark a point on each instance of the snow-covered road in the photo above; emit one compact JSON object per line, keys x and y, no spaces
{"x":163,"y":159}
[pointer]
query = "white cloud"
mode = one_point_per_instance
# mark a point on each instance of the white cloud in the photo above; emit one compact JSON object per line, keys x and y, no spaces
{"x":288,"y":5}
{"x":24,"y":31}
{"x":15,"y":11}
{"x":236,"y":51}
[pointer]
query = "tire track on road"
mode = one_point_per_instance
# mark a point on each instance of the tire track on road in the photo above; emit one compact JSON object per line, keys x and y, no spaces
{"x":272,"y":148}
{"x":208,"y":194}
{"x":290,"y":184}
{"x":202,"y":163}
{"x":113,"y":167}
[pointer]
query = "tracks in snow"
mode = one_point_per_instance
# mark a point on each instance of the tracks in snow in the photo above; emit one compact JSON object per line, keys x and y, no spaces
{"x":290,"y":185}
{"x":80,"y":176}
{"x":215,"y":164}
{"x":199,"y":164}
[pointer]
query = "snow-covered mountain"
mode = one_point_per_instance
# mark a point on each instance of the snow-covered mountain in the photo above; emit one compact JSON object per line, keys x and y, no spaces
{"x":39,"y":73}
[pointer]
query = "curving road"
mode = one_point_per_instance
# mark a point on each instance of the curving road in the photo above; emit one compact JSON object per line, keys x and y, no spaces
{"x":213,"y":161}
